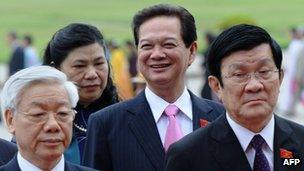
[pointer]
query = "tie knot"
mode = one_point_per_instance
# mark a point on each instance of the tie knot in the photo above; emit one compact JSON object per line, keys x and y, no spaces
{"x":257,"y":142}
{"x":171,"y":110}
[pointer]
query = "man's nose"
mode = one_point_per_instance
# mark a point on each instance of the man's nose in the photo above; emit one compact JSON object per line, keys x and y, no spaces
{"x":254,"y":84}
{"x":51,"y":125}
{"x":158,"y":53}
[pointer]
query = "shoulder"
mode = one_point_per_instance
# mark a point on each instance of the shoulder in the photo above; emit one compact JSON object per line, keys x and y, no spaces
{"x":73,"y":167}
{"x":284,"y":123}
{"x":7,"y":144}
{"x":11,"y":165}
{"x":116,"y":109}
{"x":192,"y":143}
{"x":202,"y":102}
{"x":215,"y":105}
{"x":119,"y":109}
{"x":191,"y":150}
{"x":7,"y":150}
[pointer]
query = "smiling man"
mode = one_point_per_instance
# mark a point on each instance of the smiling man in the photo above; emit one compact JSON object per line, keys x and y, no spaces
{"x":37,"y":104}
{"x":245,"y":66}
{"x":134,"y":135}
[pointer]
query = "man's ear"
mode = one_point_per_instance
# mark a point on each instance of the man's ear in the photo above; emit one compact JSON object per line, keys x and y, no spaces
{"x":281,"y":75}
{"x":193,"y":50}
{"x":214,"y":84}
{"x":9,"y":119}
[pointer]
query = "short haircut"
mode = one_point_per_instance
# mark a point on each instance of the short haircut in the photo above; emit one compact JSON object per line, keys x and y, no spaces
{"x":28,"y":38}
{"x":237,"y":38}
{"x":73,"y":36}
{"x":22,"y":79}
{"x":70,"y":37}
{"x":188,"y":28}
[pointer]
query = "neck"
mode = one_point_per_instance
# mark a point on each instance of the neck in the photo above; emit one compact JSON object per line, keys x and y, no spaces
{"x":169,"y":93}
{"x":43,"y":163}
{"x":255,"y":125}
{"x":84,"y":104}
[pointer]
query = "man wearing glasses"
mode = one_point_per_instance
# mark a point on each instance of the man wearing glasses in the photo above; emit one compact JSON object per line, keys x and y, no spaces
{"x":245,"y":66}
{"x":37,"y":105}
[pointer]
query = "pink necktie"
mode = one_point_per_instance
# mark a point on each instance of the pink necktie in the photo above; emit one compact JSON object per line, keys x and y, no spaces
{"x":174,"y":132}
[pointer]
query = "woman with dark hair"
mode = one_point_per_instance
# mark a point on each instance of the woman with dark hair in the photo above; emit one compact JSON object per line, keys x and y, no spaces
{"x":79,"y":51}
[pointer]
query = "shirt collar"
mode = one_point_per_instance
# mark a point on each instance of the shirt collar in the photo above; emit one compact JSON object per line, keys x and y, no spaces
{"x":26,"y":165}
{"x":245,"y":136}
{"x":158,"y":105}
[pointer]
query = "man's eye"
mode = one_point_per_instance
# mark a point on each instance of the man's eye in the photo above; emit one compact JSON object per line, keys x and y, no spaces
{"x":99,"y":63}
{"x":63,"y":114}
{"x":146,"y":46}
{"x":37,"y":115}
{"x":239,"y":75}
{"x":264,"y":71}
{"x":169,"y":45}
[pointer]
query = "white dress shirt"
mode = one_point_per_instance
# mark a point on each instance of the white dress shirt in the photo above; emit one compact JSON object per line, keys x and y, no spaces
{"x":26,"y":165}
{"x":184,"y":116}
{"x":245,"y":136}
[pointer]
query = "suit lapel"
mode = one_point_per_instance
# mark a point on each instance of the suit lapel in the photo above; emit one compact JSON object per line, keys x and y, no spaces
{"x":226,"y":147}
{"x":12,"y":164}
{"x":144,"y":128}
{"x":284,"y":139}
{"x":200,"y":110}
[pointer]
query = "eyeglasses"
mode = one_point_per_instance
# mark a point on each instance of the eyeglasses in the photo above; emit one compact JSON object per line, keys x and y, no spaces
{"x":42,"y":117}
{"x":243,"y":78}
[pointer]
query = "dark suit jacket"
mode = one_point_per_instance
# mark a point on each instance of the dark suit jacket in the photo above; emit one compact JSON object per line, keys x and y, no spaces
{"x":14,"y":166}
{"x":7,"y":151}
{"x":216,"y":147}
{"x":17,"y":60}
{"x":124,"y":136}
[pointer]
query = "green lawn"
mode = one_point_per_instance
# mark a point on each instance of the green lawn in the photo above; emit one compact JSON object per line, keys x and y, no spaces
{"x":42,"y":18}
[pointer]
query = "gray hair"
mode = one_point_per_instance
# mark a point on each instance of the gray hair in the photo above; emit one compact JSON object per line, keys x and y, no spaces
{"x":23,"y":78}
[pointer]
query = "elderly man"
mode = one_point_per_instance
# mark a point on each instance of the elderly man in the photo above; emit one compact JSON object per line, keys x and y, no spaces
{"x":245,"y":65}
{"x":7,"y":151}
{"x":134,"y":135}
{"x":37,"y":104}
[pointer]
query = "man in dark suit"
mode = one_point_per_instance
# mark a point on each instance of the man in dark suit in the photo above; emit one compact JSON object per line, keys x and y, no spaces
{"x":37,"y":105}
{"x":134,"y":135}
{"x":245,"y":66}
{"x":16,"y":62}
{"x":13,"y":165}
{"x":7,"y":151}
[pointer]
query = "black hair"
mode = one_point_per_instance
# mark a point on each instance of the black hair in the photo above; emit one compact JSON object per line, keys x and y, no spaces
{"x":188,"y":28}
{"x":237,"y":38}
{"x":28,"y":39}
{"x":73,"y":36}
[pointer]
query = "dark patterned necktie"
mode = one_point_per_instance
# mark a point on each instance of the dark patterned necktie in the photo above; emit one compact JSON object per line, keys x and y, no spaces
{"x":260,"y":160}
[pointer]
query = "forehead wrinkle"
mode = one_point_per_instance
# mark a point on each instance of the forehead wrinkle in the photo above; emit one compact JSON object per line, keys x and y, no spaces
{"x":49,"y":101}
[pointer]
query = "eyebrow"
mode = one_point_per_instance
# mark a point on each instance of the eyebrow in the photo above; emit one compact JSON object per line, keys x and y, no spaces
{"x":95,"y":59}
{"x":100,"y":58}
{"x":165,"y":39}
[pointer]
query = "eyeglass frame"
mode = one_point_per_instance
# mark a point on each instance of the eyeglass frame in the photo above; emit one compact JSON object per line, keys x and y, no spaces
{"x":248,"y":76}
{"x":46,"y":115}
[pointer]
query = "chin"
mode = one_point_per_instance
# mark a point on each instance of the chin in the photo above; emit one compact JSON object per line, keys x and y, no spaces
{"x":257,"y":113}
{"x":52,"y":155}
{"x":160,"y":80}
